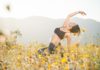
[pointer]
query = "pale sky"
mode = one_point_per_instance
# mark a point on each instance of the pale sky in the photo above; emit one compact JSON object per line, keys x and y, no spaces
{"x":50,"y":8}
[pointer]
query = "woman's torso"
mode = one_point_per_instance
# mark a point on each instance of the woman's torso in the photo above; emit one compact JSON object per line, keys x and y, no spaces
{"x":59,"y":34}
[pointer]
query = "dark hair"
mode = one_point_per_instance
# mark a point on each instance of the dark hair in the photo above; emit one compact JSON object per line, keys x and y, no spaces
{"x":75,"y":29}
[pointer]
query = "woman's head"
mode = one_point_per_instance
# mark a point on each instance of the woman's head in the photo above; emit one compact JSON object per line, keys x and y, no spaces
{"x":75,"y":29}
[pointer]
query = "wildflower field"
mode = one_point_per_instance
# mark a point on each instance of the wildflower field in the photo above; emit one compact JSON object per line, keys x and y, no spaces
{"x":21,"y":57}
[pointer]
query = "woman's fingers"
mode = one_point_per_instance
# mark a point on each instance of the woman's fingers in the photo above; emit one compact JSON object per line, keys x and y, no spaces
{"x":82,"y":12}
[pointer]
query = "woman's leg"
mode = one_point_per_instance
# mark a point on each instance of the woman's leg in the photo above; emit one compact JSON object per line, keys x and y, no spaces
{"x":41,"y":51}
{"x":51,"y":48}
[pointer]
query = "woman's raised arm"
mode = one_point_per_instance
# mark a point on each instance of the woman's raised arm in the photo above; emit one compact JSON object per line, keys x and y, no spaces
{"x":73,"y":14}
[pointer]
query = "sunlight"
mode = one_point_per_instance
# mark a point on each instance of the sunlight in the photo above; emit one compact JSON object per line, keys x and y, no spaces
{"x":48,"y":8}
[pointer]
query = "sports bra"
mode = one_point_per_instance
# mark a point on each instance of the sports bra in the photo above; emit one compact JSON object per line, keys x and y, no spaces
{"x":60,"y":33}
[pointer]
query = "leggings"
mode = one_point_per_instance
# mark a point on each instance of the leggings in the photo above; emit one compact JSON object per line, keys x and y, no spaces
{"x":51,"y":48}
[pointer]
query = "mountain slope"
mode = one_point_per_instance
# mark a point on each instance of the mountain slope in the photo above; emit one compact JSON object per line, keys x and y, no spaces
{"x":41,"y":28}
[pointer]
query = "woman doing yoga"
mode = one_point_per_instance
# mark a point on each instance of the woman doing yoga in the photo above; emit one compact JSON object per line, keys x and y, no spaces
{"x":64,"y":31}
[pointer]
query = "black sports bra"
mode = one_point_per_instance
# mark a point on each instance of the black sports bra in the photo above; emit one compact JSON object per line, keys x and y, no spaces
{"x":60,"y":33}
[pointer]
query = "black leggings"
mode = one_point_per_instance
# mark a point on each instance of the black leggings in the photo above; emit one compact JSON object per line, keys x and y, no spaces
{"x":51,"y":48}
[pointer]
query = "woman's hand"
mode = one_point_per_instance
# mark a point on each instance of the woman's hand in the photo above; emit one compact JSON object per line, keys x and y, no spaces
{"x":82,"y":13}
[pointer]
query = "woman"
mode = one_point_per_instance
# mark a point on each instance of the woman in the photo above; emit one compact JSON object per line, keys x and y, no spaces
{"x":65,"y":31}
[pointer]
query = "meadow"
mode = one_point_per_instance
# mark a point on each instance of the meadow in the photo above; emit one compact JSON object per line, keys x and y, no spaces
{"x":26,"y":57}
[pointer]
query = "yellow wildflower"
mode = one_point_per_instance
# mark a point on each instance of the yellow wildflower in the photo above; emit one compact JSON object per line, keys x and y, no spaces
{"x":66,"y":67}
{"x":49,"y":66}
{"x":18,"y":64}
{"x":19,"y":57}
{"x":13,"y":46}
{"x":64,"y":60}
{"x":29,"y":53}
{"x":55,"y":63}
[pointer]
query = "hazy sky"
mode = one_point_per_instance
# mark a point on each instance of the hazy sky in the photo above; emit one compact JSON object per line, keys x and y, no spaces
{"x":50,"y":8}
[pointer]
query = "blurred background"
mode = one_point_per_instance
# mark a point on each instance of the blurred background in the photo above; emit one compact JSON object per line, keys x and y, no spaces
{"x":36,"y":19}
